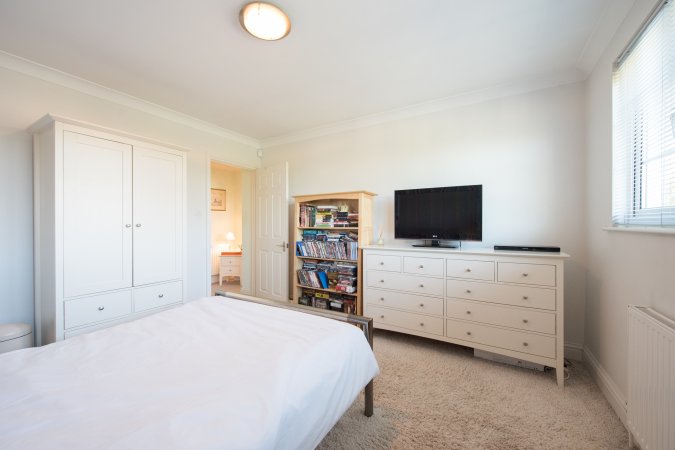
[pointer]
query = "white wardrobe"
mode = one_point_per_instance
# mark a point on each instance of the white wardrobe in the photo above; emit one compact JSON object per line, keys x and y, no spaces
{"x":109,"y":227}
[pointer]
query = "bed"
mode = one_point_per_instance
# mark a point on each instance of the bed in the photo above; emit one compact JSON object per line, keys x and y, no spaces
{"x":215,"y":373}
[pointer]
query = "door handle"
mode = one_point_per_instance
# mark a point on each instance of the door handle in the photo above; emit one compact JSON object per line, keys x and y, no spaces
{"x":283,"y":245}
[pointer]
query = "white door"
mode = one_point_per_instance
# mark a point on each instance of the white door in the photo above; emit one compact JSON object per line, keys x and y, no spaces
{"x":97,"y":233}
{"x":158,"y":216}
{"x":272,"y":232}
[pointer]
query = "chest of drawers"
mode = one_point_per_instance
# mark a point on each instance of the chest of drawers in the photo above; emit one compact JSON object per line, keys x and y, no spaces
{"x":502,"y":302}
{"x":230,"y":266}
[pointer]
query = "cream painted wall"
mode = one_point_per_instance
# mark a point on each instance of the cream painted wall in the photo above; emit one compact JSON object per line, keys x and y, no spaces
{"x":623,"y":268}
{"x":228,"y":178}
{"x":25,"y":100}
{"x":527,"y":151}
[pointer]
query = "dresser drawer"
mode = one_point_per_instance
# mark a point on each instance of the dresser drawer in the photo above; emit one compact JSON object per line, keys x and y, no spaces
{"x":520,"y":341}
{"x":97,"y":308}
{"x":531,"y":297}
{"x":384,"y":262}
{"x":522,"y":318}
{"x":410,"y":321}
{"x":230,"y":261}
{"x":230,"y":271}
{"x":149,"y":297}
{"x":408,"y":302}
{"x":538,"y":274}
{"x":474,"y":270}
{"x":409,"y":283}
{"x":423,"y":266}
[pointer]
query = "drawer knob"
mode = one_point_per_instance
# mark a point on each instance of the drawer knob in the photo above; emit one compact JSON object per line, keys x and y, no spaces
{"x":128,"y":225}
{"x":468,"y":312}
{"x":381,"y":299}
{"x":421,"y":285}
{"x":468,"y":270}
{"x":382,"y":263}
{"x":382,"y":317}
{"x":421,"y":324}
{"x":421,"y":266}
{"x":525,"y":321}
{"x":381,"y":281}
{"x":421,"y":305}
{"x":524,"y":344}
{"x":138,"y":225}
{"x":468,"y":333}
{"x":525,"y":297}
{"x":468,"y":291}
{"x":524,"y":274}
{"x":101,"y":308}
{"x":161,"y":295}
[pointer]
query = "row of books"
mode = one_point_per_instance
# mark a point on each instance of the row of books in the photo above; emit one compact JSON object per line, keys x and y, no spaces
{"x":332,"y":250}
{"x":329,"y":236}
{"x":328,"y":300}
{"x":317,"y":275}
{"x":326,"y":216}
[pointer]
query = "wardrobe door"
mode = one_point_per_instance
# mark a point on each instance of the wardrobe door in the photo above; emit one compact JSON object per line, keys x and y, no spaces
{"x":97,"y":233}
{"x":158,"y":216}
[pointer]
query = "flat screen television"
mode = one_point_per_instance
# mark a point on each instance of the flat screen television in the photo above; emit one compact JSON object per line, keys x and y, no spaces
{"x":452,"y":213}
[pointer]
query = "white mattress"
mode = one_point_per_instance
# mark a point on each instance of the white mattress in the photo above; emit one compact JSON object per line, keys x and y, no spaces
{"x":215,"y":373}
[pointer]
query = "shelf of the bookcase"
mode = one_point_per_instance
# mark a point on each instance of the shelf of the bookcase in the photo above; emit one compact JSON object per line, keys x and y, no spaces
{"x":353,"y":294}
{"x":328,"y":259}
{"x":329,"y":228}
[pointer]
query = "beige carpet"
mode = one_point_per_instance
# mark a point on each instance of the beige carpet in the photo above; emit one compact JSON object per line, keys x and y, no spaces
{"x":434,"y":395}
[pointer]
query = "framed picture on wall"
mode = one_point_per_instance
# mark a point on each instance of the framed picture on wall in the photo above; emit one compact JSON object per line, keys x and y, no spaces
{"x":217,"y":199}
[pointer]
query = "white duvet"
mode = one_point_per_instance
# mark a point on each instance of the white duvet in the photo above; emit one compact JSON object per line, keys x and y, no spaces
{"x":215,"y":373}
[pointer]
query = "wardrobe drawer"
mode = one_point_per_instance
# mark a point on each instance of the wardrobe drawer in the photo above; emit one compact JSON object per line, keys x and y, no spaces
{"x":423,"y":266}
{"x":97,"y":308}
{"x":539,"y":274}
{"x":474,"y":270}
{"x":522,"y":318}
{"x":399,"y":300}
{"x":408,"y":283}
{"x":384,"y":262}
{"x":531,"y":297}
{"x":520,"y":341}
{"x":410,"y":321}
{"x":149,"y":297}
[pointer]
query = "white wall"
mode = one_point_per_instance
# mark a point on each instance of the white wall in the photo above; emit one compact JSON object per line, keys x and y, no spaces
{"x":25,"y":100}
{"x":527,"y":151}
{"x":623,"y":268}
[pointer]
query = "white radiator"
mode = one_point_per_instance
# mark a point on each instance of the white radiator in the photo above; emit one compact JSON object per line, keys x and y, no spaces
{"x":651,"y":379}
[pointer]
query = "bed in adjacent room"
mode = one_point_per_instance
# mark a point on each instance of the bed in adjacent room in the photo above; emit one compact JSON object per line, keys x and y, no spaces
{"x":214,"y":373}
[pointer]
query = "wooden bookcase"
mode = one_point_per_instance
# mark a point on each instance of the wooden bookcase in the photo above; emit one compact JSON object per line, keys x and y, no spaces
{"x":359,"y":229}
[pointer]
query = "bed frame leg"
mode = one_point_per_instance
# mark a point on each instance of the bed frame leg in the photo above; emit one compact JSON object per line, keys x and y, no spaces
{"x":369,"y":399}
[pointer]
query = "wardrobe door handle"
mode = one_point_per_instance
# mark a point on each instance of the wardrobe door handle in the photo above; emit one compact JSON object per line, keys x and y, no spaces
{"x":101,"y":308}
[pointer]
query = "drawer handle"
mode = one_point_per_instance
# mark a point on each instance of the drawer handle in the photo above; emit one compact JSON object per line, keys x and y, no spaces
{"x":101,"y":308}
{"x":421,"y":305}
{"x":138,"y":225}
{"x":421,"y":285}
{"x":525,"y":321}
{"x":524,"y":344}
{"x":468,"y":270}
{"x":468,"y":291}
{"x":128,"y":225}
{"x":381,"y":299}
{"x":468,"y":333}
{"x":421,"y":266}
{"x":525,"y":297}
{"x":421,"y":324}
{"x":468,"y":312}
{"x":524,"y":274}
{"x":382,"y":263}
{"x":161,"y":295}
{"x":381,"y":281}
{"x":382,"y":317}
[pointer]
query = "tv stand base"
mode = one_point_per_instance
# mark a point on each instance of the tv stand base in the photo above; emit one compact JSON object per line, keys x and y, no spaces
{"x":436,"y":243}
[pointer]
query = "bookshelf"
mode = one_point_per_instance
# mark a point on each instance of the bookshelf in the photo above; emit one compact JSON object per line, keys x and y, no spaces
{"x":329,"y":232}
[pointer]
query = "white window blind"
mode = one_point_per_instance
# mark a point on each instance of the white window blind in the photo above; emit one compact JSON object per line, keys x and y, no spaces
{"x":643,"y":122}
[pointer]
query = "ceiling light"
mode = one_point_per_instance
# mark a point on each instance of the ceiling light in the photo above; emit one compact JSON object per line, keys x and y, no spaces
{"x":264,"y":21}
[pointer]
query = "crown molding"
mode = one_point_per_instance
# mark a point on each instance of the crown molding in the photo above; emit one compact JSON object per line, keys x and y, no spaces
{"x":54,"y":76}
{"x":462,"y":99}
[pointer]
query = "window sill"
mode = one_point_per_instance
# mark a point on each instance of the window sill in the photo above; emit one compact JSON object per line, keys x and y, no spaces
{"x":644,"y":230}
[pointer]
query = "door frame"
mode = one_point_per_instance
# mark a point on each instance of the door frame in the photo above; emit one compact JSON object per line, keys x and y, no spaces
{"x":247,"y":239}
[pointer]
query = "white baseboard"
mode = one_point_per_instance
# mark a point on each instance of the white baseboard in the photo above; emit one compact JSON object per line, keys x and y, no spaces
{"x":574,"y":351}
{"x":607,"y":386}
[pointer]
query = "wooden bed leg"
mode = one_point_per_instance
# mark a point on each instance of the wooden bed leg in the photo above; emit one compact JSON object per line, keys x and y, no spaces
{"x":369,"y":399}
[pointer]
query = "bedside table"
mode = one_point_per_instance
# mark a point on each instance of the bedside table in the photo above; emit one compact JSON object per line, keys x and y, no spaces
{"x":230,"y":266}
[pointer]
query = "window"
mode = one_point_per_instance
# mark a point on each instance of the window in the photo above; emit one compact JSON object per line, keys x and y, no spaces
{"x":643,"y":123}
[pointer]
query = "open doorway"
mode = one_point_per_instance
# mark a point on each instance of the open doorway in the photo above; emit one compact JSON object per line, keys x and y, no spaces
{"x":227,"y":218}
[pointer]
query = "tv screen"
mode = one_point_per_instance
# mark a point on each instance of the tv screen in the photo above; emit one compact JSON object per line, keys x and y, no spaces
{"x":451,"y":213}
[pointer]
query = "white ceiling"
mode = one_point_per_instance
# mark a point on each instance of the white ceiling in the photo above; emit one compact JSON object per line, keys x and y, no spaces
{"x":344,"y":59}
